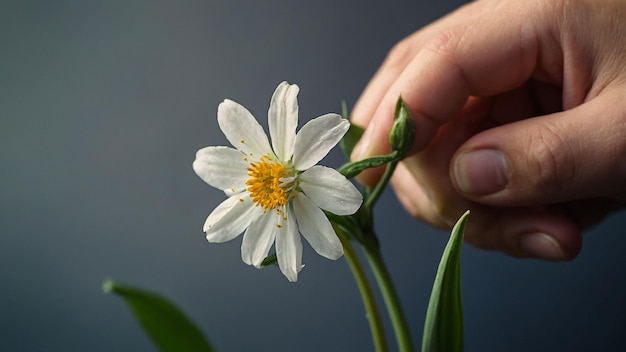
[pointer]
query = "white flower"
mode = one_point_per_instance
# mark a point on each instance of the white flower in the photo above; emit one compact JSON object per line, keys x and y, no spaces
{"x":275,"y":192}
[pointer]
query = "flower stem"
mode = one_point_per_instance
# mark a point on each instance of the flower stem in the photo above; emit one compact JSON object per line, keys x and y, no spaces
{"x":400,"y":326}
{"x":380,"y":186}
{"x":373,"y":315}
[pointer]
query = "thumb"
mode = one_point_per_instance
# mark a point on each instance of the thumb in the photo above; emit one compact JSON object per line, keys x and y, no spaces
{"x":575,"y":154}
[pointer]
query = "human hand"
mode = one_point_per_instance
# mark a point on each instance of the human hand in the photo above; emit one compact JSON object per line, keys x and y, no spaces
{"x":520,"y":116}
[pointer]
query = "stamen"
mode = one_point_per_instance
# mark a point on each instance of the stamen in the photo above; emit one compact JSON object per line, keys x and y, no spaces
{"x":265,"y":185}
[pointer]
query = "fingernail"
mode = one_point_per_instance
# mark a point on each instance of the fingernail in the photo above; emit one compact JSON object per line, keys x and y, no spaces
{"x":481,"y":172}
{"x":360,"y":150}
{"x":542,"y":246}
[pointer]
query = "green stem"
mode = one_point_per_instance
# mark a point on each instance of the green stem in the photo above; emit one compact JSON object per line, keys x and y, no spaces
{"x":373,"y":316}
{"x":380,"y":186}
{"x":400,"y":327}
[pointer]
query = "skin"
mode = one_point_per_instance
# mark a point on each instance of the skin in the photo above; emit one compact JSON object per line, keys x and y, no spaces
{"x":520,"y":113}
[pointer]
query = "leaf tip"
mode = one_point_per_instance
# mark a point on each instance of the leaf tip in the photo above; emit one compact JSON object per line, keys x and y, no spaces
{"x":108,"y":285}
{"x":344,"y":110}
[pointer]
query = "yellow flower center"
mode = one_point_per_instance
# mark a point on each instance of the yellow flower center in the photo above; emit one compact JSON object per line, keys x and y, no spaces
{"x":265,"y":186}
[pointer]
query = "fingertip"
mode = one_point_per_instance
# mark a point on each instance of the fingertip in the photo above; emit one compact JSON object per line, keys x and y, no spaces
{"x":550,"y":236}
{"x":362,"y":147}
{"x":567,"y":235}
{"x":538,"y":233}
{"x":374,"y":142}
{"x":370,"y":177}
{"x":545,"y":246}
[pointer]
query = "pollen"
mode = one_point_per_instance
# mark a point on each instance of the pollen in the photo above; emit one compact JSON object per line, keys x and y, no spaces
{"x":265,"y":186}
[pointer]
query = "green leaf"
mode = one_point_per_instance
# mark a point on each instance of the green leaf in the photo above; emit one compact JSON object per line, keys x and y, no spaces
{"x":164,"y":323}
{"x":351,"y":137}
{"x":443,"y":328}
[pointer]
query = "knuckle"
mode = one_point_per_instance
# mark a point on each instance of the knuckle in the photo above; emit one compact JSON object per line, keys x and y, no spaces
{"x":400,"y":54}
{"x":448,"y":46}
{"x":445,"y":43}
{"x":550,"y":160}
{"x":618,"y":152}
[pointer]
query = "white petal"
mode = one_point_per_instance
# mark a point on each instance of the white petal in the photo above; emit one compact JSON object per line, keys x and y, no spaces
{"x":222,"y":168}
{"x":330,"y":190}
{"x":317,"y":138}
{"x":289,"y":248}
{"x":316,"y":228}
{"x":258,"y":239}
{"x":230,"y":218}
{"x":241,"y":129}
{"x":283,"y":119}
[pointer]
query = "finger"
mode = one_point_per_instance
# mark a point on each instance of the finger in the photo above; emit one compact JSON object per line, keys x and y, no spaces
{"x":425,"y":190}
{"x":414,"y":198}
{"x":576,"y":154}
{"x":531,"y":99}
{"x":487,"y":55}
{"x":399,"y":57}
{"x":526,"y":232}
{"x":430,"y":167}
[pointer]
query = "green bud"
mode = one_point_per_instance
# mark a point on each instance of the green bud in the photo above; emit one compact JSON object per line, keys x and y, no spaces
{"x":402,"y":132}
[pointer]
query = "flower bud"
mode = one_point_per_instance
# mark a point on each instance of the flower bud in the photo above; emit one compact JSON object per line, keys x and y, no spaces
{"x":402,"y":132}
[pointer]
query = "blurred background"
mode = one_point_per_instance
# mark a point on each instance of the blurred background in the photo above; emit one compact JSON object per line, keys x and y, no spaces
{"x":102,"y":108}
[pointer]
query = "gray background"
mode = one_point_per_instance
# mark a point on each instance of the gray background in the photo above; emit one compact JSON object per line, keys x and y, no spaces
{"x":102,"y":107}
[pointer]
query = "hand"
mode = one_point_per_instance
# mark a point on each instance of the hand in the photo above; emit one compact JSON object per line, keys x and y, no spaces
{"x":520,"y":114}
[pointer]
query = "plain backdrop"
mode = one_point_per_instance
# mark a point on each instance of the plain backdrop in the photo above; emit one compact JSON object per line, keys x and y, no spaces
{"x":103,"y":105}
